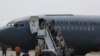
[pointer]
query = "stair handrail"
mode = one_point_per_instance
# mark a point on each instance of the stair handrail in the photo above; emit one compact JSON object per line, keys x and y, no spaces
{"x":52,"y":39}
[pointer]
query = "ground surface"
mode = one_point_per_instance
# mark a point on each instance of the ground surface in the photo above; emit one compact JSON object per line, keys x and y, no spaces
{"x":93,"y":54}
{"x":12,"y":53}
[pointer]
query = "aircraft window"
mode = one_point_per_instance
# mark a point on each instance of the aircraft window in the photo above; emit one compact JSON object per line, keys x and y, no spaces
{"x":19,"y":25}
{"x":59,"y":22}
{"x":92,"y":23}
{"x":66,"y":22}
{"x":80,"y":23}
{"x":16,"y":25}
{"x":72,"y":28}
{"x":77,"y":23}
{"x":84,"y":27}
{"x":68,"y":27}
{"x":74,"y":22}
{"x":85,"y":23}
{"x":76,"y":27}
{"x":93,"y":28}
{"x":71,"y":22}
{"x":98,"y":23}
{"x":88,"y":28}
{"x":10,"y":24}
{"x":62,"y":22}
{"x":80,"y":28}
{"x":89,"y":23}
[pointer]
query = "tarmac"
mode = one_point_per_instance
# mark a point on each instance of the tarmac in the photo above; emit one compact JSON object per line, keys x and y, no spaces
{"x":12,"y":53}
{"x":31,"y":53}
{"x":93,"y":54}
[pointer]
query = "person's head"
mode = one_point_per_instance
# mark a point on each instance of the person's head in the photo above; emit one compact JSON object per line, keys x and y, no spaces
{"x":53,"y":22}
{"x":59,"y":35}
{"x":58,"y":28}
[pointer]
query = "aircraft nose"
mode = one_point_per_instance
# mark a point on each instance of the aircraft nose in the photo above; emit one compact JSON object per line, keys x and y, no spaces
{"x":2,"y":29}
{"x":3,"y":33}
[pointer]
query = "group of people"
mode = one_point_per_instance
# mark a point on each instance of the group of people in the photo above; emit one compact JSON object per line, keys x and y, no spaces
{"x":17,"y":50}
{"x":58,"y":38}
{"x":38,"y":51}
{"x":55,"y":32}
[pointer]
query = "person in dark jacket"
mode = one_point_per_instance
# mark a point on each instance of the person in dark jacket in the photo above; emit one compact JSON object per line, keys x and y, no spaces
{"x":4,"y":49}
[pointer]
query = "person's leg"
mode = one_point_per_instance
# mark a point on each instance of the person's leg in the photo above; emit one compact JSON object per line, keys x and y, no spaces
{"x":63,"y":51}
{"x":2,"y":53}
{"x":19,"y":54}
{"x":5,"y":53}
{"x":16,"y":54}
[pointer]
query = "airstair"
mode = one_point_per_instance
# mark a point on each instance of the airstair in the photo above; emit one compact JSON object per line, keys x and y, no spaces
{"x":48,"y":39}
{"x":52,"y":49}
{"x":45,"y":37}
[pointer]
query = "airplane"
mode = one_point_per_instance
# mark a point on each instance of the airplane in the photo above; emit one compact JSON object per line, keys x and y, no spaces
{"x":81,"y":32}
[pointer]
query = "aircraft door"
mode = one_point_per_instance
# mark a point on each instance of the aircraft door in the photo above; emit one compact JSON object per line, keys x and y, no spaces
{"x":34,"y":24}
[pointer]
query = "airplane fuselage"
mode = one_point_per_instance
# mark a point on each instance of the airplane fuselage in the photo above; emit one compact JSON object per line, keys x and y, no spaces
{"x":80,"y":32}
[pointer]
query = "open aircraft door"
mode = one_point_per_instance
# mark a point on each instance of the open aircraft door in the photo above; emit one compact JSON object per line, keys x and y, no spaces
{"x":34,"y":24}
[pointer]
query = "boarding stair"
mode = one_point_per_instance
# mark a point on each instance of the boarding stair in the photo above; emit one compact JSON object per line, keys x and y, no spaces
{"x":48,"y":39}
{"x":50,"y":44}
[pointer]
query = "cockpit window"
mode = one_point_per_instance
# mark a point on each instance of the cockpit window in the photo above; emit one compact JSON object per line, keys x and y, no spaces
{"x":21,"y":25}
{"x":18,"y":25}
{"x":10,"y":24}
{"x":15,"y":25}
